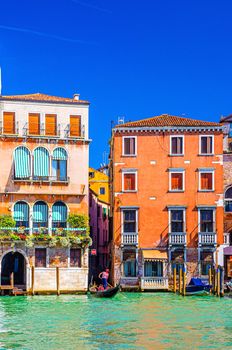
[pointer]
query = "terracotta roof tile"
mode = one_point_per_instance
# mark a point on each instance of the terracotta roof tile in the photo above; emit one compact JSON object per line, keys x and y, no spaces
{"x":38,"y":97}
{"x":166,"y":120}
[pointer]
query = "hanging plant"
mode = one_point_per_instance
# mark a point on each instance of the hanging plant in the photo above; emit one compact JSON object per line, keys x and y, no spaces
{"x":29,"y":242}
{"x":53,"y":242}
{"x":64,"y":241}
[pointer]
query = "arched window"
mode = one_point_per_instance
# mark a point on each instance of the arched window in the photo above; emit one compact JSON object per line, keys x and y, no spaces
{"x":40,"y":214}
{"x":228,"y":200}
{"x":21,"y":214}
{"x":41,"y":163}
{"x":22,"y":163}
{"x":59,"y":215}
{"x":59,"y":164}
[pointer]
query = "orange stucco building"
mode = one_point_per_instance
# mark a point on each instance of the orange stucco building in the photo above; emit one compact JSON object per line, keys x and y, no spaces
{"x":166,"y":197}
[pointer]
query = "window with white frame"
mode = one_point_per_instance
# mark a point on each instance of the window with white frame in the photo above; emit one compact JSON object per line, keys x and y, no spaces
{"x":206,"y":180}
{"x":177,"y":220}
{"x":129,"y":218}
{"x":129,"y":145}
{"x":177,"y":145}
{"x":176,"y":180}
{"x":129,"y":181}
{"x":206,"y":218}
{"x":206,"y":144}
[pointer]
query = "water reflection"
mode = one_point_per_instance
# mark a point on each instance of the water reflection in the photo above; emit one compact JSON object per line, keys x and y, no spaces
{"x":129,"y":321}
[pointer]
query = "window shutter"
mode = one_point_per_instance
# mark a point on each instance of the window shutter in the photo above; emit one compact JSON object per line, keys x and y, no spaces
{"x":50,"y":124}
{"x":206,"y":181}
{"x":75,"y":125}
{"x":9,"y":123}
{"x":129,"y":182}
{"x":22,"y":163}
{"x":176,"y":181}
{"x":34,"y":123}
{"x":41,"y":162}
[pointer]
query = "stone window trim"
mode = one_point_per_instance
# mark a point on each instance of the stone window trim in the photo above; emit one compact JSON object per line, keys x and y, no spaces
{"x":133,"y":154}
{"x":176,"y":171}
{"x":127,"y":172}
{"x":173,"y":208}
{"x":171,"y":153}
{"x":200,"y":145}
{"x":206,"y":171}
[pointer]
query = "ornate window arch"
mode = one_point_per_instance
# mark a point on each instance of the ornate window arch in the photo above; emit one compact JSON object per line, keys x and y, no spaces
{"x":22,"y":163}
{"x":59,"y":214}
{"x":41,"y":164}
{"x":59,"y":164}
{"x":21,"y":212}
{"x":228,"y":200}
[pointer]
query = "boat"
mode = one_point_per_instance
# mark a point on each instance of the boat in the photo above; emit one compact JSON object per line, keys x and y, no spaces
{"x":106,"y":293}
{"x":197,"y":287}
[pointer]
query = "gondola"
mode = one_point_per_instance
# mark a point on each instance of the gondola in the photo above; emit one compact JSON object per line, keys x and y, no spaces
{"x":197,"y":287}
{"x":107,"y":293}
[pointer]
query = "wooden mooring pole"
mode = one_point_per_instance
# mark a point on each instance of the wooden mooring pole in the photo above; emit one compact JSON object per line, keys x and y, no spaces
{"x":33,"y":280}
{"x":210,"y":277}
{"x":218,"y":281}
{"x":174,"y":278}
{"x":57,"y":280}
{"x":222,"y":275}
{"x":184,"y":281}
{"x":180,"y":279}
{"x":215,"y":280}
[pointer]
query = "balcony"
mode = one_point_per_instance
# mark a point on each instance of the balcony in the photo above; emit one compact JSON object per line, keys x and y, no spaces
{"x":207,"y":239}
{"x":58,"y":131}
{"x":154,"y":283}
{"x":43,"y":179}
{"x":129,"y":239}
{"x":177,"y":238}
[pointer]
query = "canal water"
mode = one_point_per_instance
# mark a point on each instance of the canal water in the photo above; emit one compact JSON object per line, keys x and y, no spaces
{"x":129,"y":321}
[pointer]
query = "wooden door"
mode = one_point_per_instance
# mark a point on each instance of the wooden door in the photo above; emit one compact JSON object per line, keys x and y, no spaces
{"x":75,"y":125}
{"x":9,"y":123}
{"x":50,"y":124}
{"x":34,"y":124}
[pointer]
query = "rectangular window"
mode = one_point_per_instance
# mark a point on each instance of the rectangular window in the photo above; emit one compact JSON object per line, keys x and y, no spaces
{"x":75,"y":126}
{"x":50,"y":125}
{"x":129,"y":221}
{"x":177,"y":183}
{"x":177,"y":145}
{"x":206,"y":181}
{"x":8,"y":123}
{"x":102,"y":190}
{"x":129,"y":146}
{"x":59,"y":170}
{"x":153,"y":269}
{"x":40,"y":257}
{"x":34,"y":123}
{"x":75,"y":257}
{"x":206,"y":220}
{"x":129,"y":182}
{"x":206,"y":144}
{"x":177,"y":221}
{"x":129,"y":263}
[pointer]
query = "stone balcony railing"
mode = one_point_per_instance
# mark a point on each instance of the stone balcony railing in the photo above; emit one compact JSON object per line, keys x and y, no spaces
{"x":154,"y":283}
{"x":129,"y":239}
{"x":207,"y":238}
{"x":177,"y":238}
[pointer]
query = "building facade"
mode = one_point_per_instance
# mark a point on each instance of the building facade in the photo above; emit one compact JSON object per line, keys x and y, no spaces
{"x":166,"y":177}
{"x":44,"y":148}
{"x":227,"y":165}
{"x":99,"y":221}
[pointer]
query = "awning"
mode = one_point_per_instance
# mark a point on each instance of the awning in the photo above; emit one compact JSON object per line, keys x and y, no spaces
{"x":155,"y":255}
{"x":227,"y":250}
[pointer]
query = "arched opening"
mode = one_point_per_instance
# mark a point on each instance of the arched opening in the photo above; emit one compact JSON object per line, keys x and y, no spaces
{"x":21,"y":214}
{"x":13,"y":262}
{"x":59,"y":215}
{"x":228,"y":200}
{"x":40,"y":215}
{"x":41,"y":164}
{"x":22,"y":163}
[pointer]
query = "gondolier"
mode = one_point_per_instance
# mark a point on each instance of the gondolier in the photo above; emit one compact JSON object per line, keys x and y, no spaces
{"x":104,"y":275}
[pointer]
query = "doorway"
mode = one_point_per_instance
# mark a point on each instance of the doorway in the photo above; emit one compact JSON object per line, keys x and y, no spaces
{"x":13,"y":262}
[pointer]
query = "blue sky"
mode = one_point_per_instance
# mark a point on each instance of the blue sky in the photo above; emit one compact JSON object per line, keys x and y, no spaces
{"x":129,"y":58}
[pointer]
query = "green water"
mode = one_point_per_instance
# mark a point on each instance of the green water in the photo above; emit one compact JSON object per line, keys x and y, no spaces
{"x":129,"y":321}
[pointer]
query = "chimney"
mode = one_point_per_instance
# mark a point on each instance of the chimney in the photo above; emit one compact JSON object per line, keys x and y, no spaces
{"x":76,"y":97}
